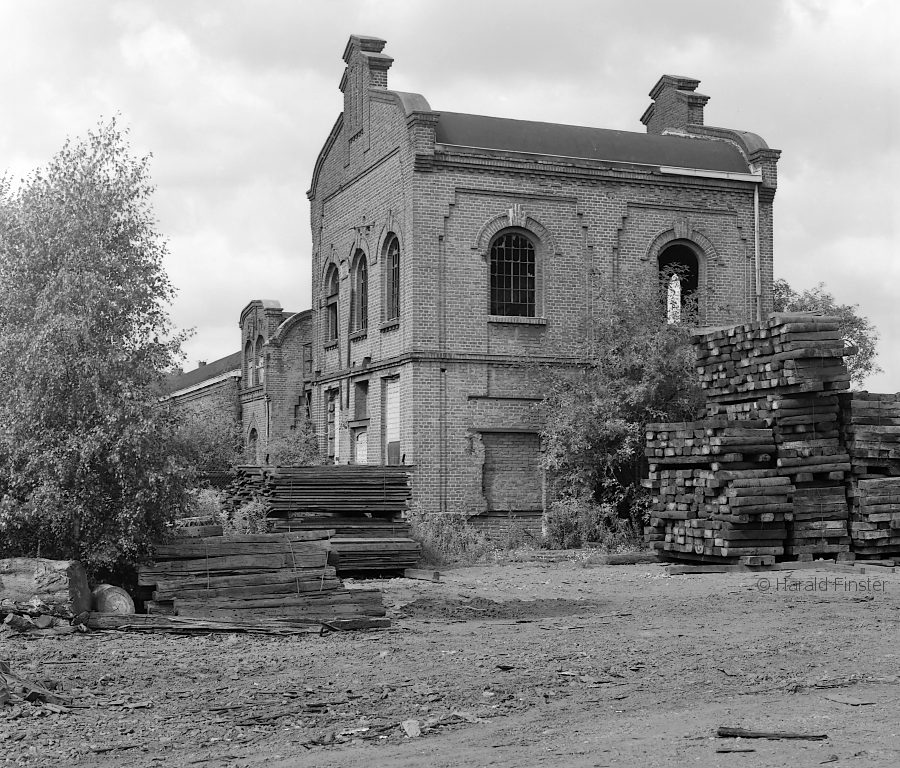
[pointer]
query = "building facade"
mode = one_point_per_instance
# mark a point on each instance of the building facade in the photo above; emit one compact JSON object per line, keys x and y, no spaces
{"x":451,"y":251}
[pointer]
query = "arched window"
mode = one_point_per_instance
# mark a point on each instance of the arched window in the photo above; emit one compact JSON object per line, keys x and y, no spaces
{"x":513,"y":276}
{"x":249,"y":367}
{"x":260,"y":361}
{"x":332,"y":294}
{"x":360,"y":292}
{"x":391,"y":262}
{"x":679,"y":274}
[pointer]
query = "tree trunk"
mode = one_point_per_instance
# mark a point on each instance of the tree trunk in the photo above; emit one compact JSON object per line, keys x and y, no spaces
{"x":60,"y":584}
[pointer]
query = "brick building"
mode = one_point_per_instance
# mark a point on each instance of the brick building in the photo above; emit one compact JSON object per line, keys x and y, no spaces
{"x":450,"y":249}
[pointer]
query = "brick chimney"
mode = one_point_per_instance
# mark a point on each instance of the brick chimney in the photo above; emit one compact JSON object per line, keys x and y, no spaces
{"x":367,"y":67}
{"x":676,"y":104}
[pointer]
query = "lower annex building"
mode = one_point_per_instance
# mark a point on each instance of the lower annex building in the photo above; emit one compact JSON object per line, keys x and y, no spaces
{"x":449,"y":249}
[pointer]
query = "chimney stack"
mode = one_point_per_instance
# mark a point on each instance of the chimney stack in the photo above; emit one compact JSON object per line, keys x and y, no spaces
{"x":676,"y":105}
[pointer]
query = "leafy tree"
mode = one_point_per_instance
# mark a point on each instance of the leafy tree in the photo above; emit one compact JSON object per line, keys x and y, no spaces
{"x":638,"y":368}
{"x":86,"y":469}
{"x":856,"y":329}
{"x":210,"y":438}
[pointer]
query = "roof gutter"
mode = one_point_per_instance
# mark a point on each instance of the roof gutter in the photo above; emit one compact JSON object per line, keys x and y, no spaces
{"x":755,"y":178}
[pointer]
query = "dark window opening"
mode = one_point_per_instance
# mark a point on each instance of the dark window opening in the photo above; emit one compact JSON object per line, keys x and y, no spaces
{"x":360,"y":299}
{"x":361,"y":400}
{"x":392,"y":267}
{"x":513,"y":271}
{"x":333,"y":288}
{"x":679,"y":274}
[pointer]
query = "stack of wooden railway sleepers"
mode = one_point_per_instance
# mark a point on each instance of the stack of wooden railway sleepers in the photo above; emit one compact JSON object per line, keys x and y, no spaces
{"x":717,"y":496}
{"x":870,"y":424}
{"x":284,"y":574}
{"x":362,"y":504}
{"x":788,"y":372}
{"x":819,"y":524}
{"x":296,"y":492}
{"x":791,"y":353}
{"x":875,"y":517}
{"x":362,"y":545}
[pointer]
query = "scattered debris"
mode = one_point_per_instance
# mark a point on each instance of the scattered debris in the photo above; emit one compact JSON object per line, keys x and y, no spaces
{"x":841,"y":698}
{"x":742,"y":733}
{"x":411,"y":728}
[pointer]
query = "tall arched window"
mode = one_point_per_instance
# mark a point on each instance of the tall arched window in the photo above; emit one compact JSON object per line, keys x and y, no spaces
{"x":391,"y":262}
{"x":249,"y":367}
{"x":332,"y":294}
{"x":679,"y":273}
{"x":360,"y":292}
{"x":260,"y":361}
{"x":513,"y":275}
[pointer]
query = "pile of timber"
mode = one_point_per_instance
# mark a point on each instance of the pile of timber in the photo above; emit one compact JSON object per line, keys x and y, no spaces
{"x":870,"y":424}
{"x":790,"y":352}
{"x":875,"y":516}
{"x":292,"y":493}
{"x":371,"y":555}
{"x":720,"y":515}
{"x":361,"y":504}
{"x":776,"y":385}
{"x":819,"y":524}
{"x":362,"y":545}
{"x":284,"y":574}
{"x":352,"y":526}
{"x":717,"y":441}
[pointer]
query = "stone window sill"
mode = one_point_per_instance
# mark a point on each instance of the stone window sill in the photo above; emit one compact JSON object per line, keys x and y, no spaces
{"x":331,"y":344}
{"x":515,"y":320}
{"x":390,"y":325}
{"x":359,"y":335}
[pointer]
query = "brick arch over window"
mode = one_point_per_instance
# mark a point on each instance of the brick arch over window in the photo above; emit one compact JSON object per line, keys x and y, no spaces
{"x":486,"y":235}
{"x":683,"y":231}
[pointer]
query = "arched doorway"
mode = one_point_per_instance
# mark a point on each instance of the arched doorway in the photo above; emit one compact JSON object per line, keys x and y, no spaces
{"x":679,"y":273}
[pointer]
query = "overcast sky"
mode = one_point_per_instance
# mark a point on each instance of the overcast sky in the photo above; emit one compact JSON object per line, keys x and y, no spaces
{"x":235,"y":98}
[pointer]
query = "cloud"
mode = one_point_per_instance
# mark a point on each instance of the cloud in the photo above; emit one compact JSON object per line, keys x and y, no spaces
{"x":234,"y":99}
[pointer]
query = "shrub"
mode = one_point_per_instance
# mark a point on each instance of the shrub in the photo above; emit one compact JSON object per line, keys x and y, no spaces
{"x":249,"y":518}
{"x":448,"y":538}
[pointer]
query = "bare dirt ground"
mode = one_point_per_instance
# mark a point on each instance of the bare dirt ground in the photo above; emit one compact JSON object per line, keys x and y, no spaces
{"x":522,"y":664}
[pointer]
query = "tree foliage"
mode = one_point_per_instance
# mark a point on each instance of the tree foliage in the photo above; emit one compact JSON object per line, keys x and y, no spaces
{"x":638,"y":368}
{"x":86,"y":469}
{"x":856,"y":329}
{"x":298,"y":448}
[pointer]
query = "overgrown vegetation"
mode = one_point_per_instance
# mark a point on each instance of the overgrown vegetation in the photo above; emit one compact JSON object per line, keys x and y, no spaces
{"x":87,"y":469}
{"x":298,"y":448}
{"x":856,"y":329}
{"x":448,"y":539}
{"x":637,"y":368}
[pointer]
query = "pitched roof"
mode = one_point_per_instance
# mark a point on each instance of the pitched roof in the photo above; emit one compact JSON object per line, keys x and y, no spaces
{"x":199,"y":375}
{"x":575,"y":141}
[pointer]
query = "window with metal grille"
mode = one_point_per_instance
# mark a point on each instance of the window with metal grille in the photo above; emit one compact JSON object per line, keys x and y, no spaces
{"x":333,"y":289}
{"x":361,"y":293}
{"x":513,"y":271}
{"x":392,"y":269}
